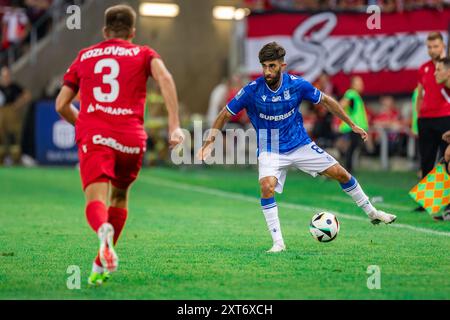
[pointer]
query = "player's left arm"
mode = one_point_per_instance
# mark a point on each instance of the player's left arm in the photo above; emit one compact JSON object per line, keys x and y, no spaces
{"x":335,"y":108}
{"x":64,"y":104}
{"x":169,"y":92}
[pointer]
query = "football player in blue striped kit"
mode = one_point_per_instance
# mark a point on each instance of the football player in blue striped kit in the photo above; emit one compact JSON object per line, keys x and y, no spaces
{"x":272,"y":103}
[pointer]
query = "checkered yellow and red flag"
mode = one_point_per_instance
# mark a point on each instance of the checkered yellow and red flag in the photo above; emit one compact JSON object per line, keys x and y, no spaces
{"x":433,"y":191}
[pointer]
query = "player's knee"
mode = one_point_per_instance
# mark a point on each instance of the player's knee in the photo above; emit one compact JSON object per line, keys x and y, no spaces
{"x":267,"y":188}
{"x":97,"y":191}
{"x":118,"y":197}
{"x":338,"y":173}
{"x":344,"y":176}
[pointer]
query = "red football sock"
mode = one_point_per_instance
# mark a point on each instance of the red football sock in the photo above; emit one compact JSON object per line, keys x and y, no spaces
{"x":96,"y":214}
{"x":117,"y":217}
{"x":97,"y":261}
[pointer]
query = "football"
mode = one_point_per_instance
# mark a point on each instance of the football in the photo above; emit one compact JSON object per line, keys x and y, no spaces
{"x":324,"y":226}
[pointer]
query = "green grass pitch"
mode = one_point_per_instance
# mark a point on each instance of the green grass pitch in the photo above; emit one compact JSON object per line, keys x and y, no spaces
{"x":199,"y":233}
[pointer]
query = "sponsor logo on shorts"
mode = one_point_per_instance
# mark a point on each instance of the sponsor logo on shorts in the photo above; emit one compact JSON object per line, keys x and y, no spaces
{"x":277,"y":118}
{"x":112,"y":143}
{"x":109,"y":110}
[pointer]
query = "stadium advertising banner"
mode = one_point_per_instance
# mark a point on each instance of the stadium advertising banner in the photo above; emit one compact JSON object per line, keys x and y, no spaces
{"x":55,"y":138}
{"x":342,"y":45}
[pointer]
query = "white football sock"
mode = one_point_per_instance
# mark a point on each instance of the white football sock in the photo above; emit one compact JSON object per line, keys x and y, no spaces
{"x":270,"y":210}
{"x":354,"y":190}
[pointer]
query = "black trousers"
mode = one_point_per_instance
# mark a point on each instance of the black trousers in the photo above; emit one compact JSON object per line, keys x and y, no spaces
{"x":430,"y":141}
{"x":354,"y":140}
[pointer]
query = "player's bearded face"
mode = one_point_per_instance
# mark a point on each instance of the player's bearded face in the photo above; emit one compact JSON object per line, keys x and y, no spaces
{"x":272,"y":72}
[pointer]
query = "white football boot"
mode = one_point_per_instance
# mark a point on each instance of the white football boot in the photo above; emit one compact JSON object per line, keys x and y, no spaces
{"x":108,"y":256}
{"x":380,"y":216}
{"x":277,"y":247}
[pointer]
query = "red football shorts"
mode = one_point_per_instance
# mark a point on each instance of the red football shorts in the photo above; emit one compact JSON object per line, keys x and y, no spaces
{"x":110,"y":157}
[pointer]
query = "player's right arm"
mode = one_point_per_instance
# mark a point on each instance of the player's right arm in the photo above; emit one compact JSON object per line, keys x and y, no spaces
{"x":64,"y":104}
{"x":68,"y":92}
{"x":239,"y":102}
{"x":222,"y":118}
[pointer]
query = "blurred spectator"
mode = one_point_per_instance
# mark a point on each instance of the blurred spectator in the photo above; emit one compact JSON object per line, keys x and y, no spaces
{"x":388,"y":120}
{"x":155,"y":126}
{"x":15,"y":26}
{"x":322,"y":130}
{"x":13,"y":104}
{"x":388,"y":117}
{"x":324,"y":84}
{"x":235,"y":84}
{"x":17,"y":20}
{"x":353,"y":104}
{"x":351,"y":4}
{"x":216,"y":99}
{"x":295,"y":4}
{"x":36,"y":9}
{"x":390,"y":5}
{"x":258,"y":5}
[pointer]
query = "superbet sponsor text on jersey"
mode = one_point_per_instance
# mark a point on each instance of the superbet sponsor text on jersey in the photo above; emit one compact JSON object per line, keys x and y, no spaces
{"x":111,"y":77}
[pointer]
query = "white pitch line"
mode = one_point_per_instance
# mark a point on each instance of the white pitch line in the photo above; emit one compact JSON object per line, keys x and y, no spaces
{"x":237,"y":196}
{"x":381,"y":204}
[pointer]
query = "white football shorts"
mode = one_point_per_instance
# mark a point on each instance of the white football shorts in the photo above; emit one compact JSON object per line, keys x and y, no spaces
{"x":308,"y":158}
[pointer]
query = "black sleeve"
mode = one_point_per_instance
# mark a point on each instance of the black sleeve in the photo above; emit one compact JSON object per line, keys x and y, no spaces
{"x":351,"y":104}
{"x":17,"y":91}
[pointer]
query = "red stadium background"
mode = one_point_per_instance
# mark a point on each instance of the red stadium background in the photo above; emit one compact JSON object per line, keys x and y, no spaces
{"x":342,"y":45}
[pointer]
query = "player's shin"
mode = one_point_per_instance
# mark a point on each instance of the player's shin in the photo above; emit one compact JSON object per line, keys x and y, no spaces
{"x":270,"y":210}
{"x":96,"y":214}
{"x":117,"y":217}
{"x":354,"y":190}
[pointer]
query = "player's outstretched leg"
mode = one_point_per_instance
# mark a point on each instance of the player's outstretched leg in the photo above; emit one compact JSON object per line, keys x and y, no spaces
{"x":351,"y":187}
{"x":270,"y":211}
{"x":117,"y":217}
{"x":97,"y":217}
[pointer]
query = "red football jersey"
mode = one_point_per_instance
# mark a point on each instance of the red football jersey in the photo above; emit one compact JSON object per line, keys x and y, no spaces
{"x":112,"y":77}
{"x":434,"y":104}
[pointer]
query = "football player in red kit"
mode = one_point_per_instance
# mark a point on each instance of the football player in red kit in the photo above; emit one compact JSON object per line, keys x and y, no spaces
{"x":111,"y":77}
